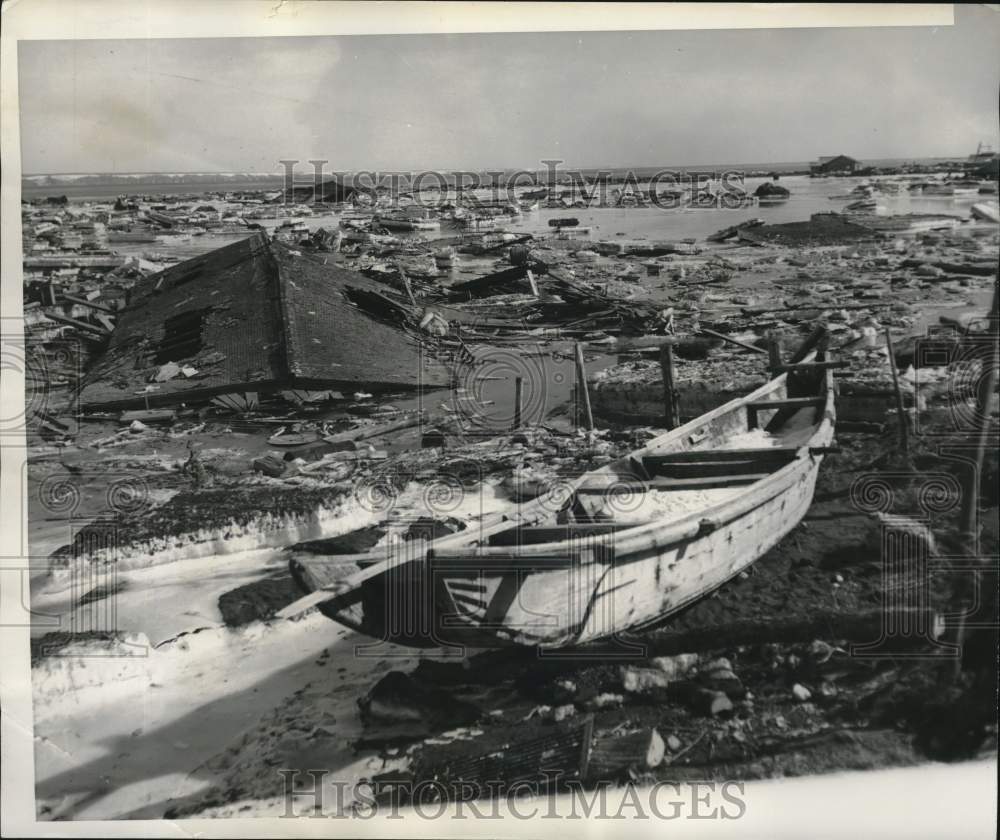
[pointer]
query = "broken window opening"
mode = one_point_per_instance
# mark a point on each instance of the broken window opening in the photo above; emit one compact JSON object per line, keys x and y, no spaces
{"x":181,"y":336}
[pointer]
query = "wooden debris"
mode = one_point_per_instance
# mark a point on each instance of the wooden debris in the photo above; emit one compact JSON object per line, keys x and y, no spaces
{"x":612,"y":756}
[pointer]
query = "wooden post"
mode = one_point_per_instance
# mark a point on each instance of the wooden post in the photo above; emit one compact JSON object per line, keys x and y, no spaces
{"x":534,"y":285}
{"x":518,"y":382}
{"x":773,"y":354}
{"x":581,"y":384}
{"x":406,"y":284}
{"x":812,"y":340}
{"x":904,"y":436}
{"x":670,"y":418}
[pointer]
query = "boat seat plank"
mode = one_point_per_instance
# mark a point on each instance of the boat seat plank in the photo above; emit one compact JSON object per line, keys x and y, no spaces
{"x":715,"y":468}
{"x":553,"y":533}
{"x":793,"y":402}
{"x":788,"y":406}
{"x":776,"y":453}
{"x":694,"y":483}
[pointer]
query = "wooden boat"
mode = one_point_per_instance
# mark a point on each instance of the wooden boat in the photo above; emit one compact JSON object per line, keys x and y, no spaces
{"x":584,"y":561}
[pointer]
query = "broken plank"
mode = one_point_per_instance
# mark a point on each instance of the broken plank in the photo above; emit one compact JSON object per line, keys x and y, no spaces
{"x":366,"y":432}
{"x":804,"y":366}
{"x":613,"y":755}
{"x":731,"y":340}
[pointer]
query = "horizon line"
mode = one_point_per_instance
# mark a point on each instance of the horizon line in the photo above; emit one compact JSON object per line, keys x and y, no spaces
{"x":278,"y":173}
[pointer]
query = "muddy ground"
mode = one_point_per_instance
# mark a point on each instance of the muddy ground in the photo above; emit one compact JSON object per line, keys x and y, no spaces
{"x":225,"y":695}
{"x":777,"y":643}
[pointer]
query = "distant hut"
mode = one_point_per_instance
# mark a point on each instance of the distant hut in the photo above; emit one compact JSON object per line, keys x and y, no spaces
{"x":836,"y":165}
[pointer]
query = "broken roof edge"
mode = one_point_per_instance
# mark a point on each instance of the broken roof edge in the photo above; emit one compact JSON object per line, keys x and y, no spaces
{"x":298,"y":273}
{"x":197,"y":396}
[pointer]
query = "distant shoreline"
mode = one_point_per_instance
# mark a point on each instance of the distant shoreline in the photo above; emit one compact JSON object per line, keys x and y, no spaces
{"x":48,"y":180}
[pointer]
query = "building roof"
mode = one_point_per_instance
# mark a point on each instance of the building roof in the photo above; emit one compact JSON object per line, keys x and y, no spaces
{"x":826,"y":161}
{"x":254,"y":315}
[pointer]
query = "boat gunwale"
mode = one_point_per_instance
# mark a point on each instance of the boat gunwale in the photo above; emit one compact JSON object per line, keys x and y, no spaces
{"x":684,"y":528}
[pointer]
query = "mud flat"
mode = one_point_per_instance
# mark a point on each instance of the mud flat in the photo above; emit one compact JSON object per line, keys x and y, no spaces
{"x":195,"y":696}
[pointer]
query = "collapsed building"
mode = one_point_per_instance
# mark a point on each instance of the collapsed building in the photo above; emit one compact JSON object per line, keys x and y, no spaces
{"x":255,"y":317}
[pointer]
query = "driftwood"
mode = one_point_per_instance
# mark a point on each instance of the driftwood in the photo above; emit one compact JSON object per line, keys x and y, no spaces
{"x":613,"y":755}
{"x":374,"y":431}
{"x":732,"y":340}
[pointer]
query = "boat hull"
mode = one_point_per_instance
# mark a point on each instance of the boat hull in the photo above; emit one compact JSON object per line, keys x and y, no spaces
{"x":598,"y":593}
{"x":535,"y":582}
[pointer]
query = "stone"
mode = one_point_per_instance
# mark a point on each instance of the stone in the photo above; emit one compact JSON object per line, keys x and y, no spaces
{"x":801,"y":693}
{"x":642,"y":680}
{"x":673,"y":743}
{"x":719,"y":676}
{"x":710,"y":703}
{"x":606,"y":700}
{"x":675,"y":667}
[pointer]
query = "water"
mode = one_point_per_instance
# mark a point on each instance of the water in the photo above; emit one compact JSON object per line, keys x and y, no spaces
{"x":808,"y":196}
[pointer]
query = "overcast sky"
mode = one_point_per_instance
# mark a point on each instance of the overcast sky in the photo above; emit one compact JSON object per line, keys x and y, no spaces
{"x":479,"y":101}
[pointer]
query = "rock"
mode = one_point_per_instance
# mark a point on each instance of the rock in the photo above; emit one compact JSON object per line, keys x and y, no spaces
{"x":642,"y":680}
{"x":719,"y":676}
{"x":673,"y":743}
{"x":605,"y":701}
{"x":801,"y":693}
{"x":567,"y":686}
{"x":270,"y":465}
{"x":675,"y":667}
{"x":707,"y":702}
{"x":137,"y":426}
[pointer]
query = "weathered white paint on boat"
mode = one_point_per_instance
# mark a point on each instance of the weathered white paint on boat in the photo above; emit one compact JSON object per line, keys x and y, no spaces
{"x":582,"y":589}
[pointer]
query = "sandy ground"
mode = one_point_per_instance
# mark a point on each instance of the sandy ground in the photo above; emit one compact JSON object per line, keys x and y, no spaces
{"x":136,"y":743}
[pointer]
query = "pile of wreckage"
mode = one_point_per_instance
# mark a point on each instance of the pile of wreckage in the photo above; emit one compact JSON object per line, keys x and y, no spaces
{"x":259,"y":318}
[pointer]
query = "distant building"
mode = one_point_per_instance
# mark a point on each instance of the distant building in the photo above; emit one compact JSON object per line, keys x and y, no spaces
{"x":836,"y":165}
{"x":334,"y":190}
{"x":985,"y":163}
